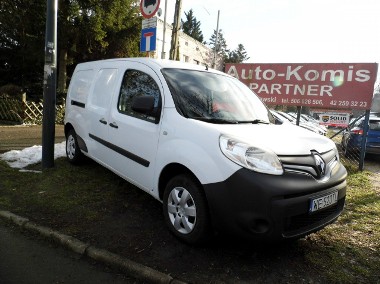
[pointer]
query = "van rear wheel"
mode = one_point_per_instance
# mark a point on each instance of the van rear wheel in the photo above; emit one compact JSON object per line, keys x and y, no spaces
{"x":185,"y":210}
{"x":73,"y":153}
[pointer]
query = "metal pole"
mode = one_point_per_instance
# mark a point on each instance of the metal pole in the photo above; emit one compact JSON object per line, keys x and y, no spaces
{"x":299,"y":108}
{"x":163,"y":36}
{"x":216,"y":40}
{"x":50,"y":82}
{"x":364,"y":139}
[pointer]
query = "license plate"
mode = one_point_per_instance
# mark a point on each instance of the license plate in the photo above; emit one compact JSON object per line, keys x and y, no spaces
{"x":323,"y":202}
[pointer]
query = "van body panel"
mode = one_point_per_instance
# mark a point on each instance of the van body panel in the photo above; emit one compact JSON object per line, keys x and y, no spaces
{"x":196,"y":145}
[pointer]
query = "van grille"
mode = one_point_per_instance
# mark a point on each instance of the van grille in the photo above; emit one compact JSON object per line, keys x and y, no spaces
{"x":307,"y":165}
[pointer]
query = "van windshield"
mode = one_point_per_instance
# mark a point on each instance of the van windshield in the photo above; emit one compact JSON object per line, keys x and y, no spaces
{"x":215,"y":98}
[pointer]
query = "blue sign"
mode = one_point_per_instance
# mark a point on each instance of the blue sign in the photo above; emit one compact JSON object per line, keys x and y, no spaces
{"x":148,"y":39}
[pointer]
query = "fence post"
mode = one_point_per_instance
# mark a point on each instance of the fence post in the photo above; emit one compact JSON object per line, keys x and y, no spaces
{"x":364,"y":140}
{"x":23,"y":107}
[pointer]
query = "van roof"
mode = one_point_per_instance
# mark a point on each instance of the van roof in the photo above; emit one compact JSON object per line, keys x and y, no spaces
{"x":158,"y":63}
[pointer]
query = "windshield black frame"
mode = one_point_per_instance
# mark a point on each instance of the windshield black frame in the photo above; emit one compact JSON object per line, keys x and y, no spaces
{"x":215,"y":98}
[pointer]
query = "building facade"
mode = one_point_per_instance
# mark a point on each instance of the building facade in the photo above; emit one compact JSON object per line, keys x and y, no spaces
{"x":190,"y":50}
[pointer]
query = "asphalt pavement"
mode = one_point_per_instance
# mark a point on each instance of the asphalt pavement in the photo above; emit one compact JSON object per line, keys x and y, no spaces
{"x":26,"y":260}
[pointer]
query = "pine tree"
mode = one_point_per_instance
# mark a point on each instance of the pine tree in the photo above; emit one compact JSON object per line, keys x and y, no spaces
{"x":221,"y":45}
{"x":192,"y":27}
{"x":239,"y":55}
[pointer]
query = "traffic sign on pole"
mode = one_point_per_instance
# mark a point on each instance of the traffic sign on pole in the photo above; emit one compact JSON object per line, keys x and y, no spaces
{"x":148,"y":39}
{"x":149,"y":8}
{"x":149,"y":23}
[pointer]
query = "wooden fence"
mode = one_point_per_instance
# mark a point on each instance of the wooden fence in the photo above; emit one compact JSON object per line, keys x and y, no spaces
{"x":26,"y":112}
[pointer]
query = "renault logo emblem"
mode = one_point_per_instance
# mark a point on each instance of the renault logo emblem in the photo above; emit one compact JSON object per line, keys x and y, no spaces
{"x":320,"y":164}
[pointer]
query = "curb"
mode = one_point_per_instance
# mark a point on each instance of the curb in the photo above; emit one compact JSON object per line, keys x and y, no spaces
{"x":130,"y":267}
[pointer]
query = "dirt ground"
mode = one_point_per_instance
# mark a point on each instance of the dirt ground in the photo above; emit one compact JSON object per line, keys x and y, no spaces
{"x":22,"y":136}
{"x":223,"y":261}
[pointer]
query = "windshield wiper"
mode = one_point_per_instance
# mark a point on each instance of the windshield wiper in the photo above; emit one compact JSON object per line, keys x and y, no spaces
{"x":255,"y":121}
{"x":216,"y":120}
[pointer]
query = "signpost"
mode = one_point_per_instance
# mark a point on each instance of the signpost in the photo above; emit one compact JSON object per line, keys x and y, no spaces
{"x":149,"y":8}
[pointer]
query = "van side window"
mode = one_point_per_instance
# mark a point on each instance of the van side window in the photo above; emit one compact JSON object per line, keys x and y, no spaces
{"x":80,"y":86}
{"x":104,"y":84}
{"x":136,"y":83}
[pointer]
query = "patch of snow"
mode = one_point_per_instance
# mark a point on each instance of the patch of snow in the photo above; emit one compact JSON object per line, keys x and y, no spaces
{"x":32,"y":155}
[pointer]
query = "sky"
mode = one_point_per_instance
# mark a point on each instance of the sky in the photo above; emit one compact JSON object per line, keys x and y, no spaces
{"x":292,"y":31}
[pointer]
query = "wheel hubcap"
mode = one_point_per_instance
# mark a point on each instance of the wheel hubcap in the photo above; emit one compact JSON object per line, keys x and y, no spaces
{"x":70,"y":147}
{"x":182,"y":210}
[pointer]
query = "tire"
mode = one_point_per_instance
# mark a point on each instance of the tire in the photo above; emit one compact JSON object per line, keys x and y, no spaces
{"x":73,"y":152}
{"x":185,"y":210}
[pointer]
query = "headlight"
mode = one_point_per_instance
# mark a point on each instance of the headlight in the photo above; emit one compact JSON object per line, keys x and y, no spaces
{"x":251,"y":157}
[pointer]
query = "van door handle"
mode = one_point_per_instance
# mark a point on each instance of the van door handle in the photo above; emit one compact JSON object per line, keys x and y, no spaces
{"x":102,"y":120}
{"x":114,"y":125}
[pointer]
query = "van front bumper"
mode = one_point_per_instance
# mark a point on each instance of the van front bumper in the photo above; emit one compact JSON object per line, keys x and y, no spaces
{"x":267,"y":207}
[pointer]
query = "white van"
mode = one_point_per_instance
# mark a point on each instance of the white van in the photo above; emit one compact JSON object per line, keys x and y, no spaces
{"x":203,"y":144}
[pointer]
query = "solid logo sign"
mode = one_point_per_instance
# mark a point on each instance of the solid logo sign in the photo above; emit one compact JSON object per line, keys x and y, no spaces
{"x":149,"y":8}
{"x":335,"y":119}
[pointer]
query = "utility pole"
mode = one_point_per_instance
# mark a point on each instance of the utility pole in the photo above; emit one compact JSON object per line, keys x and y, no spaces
{"x":216,"y":41}
{"x":163,"y":36}
{"x":176,"y":27}
{"x":50,"y":83}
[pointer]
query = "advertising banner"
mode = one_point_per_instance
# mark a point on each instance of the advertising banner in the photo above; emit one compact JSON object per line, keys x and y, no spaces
{"x":334,"y":120}
{"x":322,"y":85}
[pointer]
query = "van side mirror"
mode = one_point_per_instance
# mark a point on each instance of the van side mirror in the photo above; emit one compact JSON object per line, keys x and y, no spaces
{"x":143,"y":104}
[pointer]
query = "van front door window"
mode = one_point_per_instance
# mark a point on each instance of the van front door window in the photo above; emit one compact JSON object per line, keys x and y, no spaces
{"x":136,"y":83}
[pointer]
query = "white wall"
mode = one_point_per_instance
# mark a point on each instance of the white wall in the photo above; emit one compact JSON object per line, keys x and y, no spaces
{"x":190,"y":50}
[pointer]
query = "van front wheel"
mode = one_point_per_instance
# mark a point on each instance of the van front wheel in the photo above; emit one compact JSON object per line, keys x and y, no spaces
{"x":185,"y":209}
{"x":73,"y":153}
